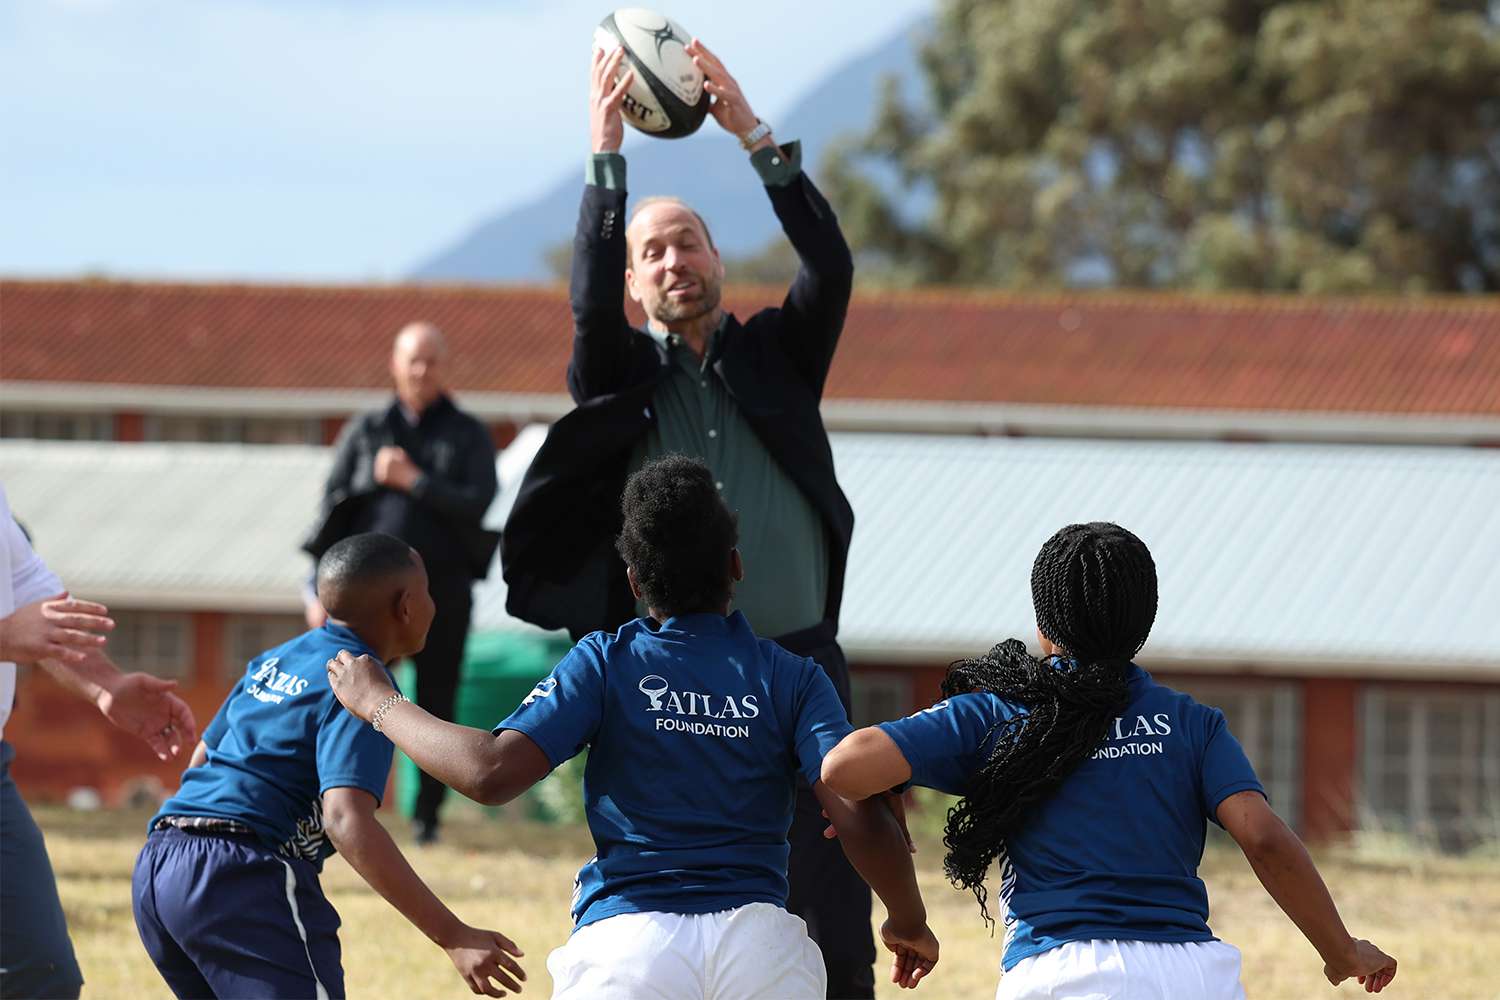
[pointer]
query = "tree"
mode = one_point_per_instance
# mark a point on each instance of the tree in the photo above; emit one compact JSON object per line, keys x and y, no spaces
{"x":1323,"y":146}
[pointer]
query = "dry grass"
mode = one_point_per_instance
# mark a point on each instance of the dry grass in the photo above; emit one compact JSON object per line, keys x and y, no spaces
{"x":1439,"y":916}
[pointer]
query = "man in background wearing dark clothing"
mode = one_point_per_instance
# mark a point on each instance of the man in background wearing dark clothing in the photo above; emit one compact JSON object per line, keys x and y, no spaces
{"x":743,"y":398}
{"x":424,"y":471}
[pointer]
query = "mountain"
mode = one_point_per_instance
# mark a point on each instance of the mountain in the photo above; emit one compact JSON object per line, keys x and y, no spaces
{"x":708,"y":170}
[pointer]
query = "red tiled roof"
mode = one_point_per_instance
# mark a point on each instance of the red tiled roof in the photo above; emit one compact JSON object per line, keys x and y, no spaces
{"x":1437,"y":356}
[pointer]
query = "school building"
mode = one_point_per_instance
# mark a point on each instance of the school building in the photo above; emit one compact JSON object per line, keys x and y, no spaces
{"x":1317,"y":481}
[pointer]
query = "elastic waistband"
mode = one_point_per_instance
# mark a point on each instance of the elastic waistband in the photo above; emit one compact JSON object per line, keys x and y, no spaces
{"x":212,"y":825}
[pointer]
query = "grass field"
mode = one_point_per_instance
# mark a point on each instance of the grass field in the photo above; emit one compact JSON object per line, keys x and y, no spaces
{"x":1439,"y":916}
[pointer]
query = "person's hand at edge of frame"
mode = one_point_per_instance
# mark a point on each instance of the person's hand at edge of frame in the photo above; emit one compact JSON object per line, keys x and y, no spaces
{"x":61,"y":627}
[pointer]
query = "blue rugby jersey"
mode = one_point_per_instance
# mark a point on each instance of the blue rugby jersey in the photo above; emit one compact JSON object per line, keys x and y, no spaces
{"x":696,"y":730}
{"x":1114,"y":852}
{"x":280,"y":740}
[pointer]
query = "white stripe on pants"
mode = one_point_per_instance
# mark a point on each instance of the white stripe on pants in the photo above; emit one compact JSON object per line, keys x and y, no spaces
{"x":752,"y":952}
{"x":1126,"y":970}
{"x":291,"y":900}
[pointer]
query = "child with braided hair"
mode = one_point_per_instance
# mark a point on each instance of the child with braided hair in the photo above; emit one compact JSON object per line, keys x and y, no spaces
{"x":1091,"y":785}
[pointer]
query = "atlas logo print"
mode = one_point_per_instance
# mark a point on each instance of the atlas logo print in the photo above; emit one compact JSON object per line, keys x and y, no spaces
{"x":662,"y":699}
{"x":544,"y":688}
{"x":714,"y":706}
{"x":272,"y":685}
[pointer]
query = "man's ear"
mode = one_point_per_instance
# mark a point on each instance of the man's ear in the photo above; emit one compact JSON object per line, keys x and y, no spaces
{"x":736,"y":565}
{"x":635,"y":587}
{"x":630,"y":285}
{"x":403,"y":606}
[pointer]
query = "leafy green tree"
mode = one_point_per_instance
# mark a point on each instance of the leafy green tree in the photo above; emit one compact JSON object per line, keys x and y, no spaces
{"x":1322,"y":146}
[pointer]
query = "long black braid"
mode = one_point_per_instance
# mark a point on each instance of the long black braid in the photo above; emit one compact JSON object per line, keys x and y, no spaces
{"x":1094,"y":590}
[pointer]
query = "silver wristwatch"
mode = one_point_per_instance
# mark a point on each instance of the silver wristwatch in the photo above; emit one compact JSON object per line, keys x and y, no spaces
{"x":759,"y":132}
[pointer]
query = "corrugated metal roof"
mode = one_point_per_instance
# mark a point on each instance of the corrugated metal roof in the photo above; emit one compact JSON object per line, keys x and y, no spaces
{"x":169,"y":526}
{"x":1314,"y":554}
{"x":1329,"y":557}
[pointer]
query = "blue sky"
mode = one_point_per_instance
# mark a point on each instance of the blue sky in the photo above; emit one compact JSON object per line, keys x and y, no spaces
{"x":325,"y":139}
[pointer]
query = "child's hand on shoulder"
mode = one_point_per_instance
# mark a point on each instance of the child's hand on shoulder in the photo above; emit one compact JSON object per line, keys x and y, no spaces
{"x":915,"y":950}
{"x":359,"y":683}
{"x":481,"y":956}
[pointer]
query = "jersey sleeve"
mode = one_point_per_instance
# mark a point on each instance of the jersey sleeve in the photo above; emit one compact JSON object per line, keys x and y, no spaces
{"x":1226,"y":769}
{"x":351,"y":754}
{"x":820,"y":721}
{"x":562,"y":713}
{"x":947,"y":743}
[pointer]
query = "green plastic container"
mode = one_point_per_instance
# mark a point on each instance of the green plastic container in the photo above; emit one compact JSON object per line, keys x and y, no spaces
{"x":499,"y":670}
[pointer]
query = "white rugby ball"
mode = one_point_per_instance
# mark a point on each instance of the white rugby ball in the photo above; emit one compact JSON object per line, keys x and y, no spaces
{"x":666,"y":99}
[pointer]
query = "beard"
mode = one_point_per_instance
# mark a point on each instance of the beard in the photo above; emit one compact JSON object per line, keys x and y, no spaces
{"x":670,"y":310}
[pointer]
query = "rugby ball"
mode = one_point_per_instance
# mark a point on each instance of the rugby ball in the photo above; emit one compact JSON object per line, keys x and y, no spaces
{"x":666,"y":99}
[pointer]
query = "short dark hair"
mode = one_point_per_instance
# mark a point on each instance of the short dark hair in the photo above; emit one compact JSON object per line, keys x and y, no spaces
{"x":352,"y":563}
{"x":677,"y":536}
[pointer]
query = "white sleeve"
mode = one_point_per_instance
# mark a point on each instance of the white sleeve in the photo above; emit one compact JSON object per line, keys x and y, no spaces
{"x":30,"y":579}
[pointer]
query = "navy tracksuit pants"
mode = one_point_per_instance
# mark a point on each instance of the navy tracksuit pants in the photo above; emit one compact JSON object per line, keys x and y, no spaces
{"x":222,"y":915}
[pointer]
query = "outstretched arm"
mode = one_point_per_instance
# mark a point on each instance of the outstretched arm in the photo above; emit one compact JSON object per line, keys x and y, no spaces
{"x":488,"y":768}
{"x":877,"y":847}
{"x":144,"y":706}
{"x":1282,"y":864}
{"x":815,"y":306}
{"x":865,"y":763}
{"x":479,"y":955}
{"x":596,"y":290}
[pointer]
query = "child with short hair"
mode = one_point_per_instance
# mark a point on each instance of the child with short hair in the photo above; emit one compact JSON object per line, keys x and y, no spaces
{"x":697,"y":731}
{"x":225,"y":891}
{"x":1091,"y":784}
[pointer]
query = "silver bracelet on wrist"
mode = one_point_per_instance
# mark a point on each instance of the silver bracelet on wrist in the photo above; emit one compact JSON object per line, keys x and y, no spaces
{"x":385,"y":706}
{"x":759,"y":132}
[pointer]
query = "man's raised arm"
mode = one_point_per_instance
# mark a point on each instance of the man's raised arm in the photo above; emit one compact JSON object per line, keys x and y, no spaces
{"x":601,"y":345}
{"x":814,"y":308}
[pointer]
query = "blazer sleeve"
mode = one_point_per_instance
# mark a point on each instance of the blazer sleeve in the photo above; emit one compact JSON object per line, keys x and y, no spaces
{"x":340,"y":481}
{"x":812,"y":315}
{"x":601,"y":333}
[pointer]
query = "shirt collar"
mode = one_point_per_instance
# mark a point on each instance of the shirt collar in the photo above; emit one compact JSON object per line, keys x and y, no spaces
{"x":346,"y":637}
{"x":706,"y":623}
{"x":668,"y":339}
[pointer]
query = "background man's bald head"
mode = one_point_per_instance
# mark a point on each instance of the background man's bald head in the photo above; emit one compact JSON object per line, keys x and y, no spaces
{"x":415,"y":336}
{"x":419,"y":365}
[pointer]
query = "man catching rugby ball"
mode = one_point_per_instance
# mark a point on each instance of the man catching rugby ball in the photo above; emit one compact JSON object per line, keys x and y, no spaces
{"x":743,"y":398}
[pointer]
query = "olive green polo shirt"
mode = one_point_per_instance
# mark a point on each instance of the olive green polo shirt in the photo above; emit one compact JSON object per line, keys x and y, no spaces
{"x":783,"y":540}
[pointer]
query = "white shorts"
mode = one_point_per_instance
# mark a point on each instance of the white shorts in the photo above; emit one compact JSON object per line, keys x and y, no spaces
{"x":754,"y":952}
{"x":1127,"y":970}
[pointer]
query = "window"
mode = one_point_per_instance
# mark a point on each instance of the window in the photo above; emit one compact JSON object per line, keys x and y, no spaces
{"x":878,"y":697}
{"x":57,"y":426}
{"x":247,"y":636}
{"x":1267,"y":720}
{"x":233,"y":430}
{"x":1431,"y":765}
{"x":154,"y":642}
